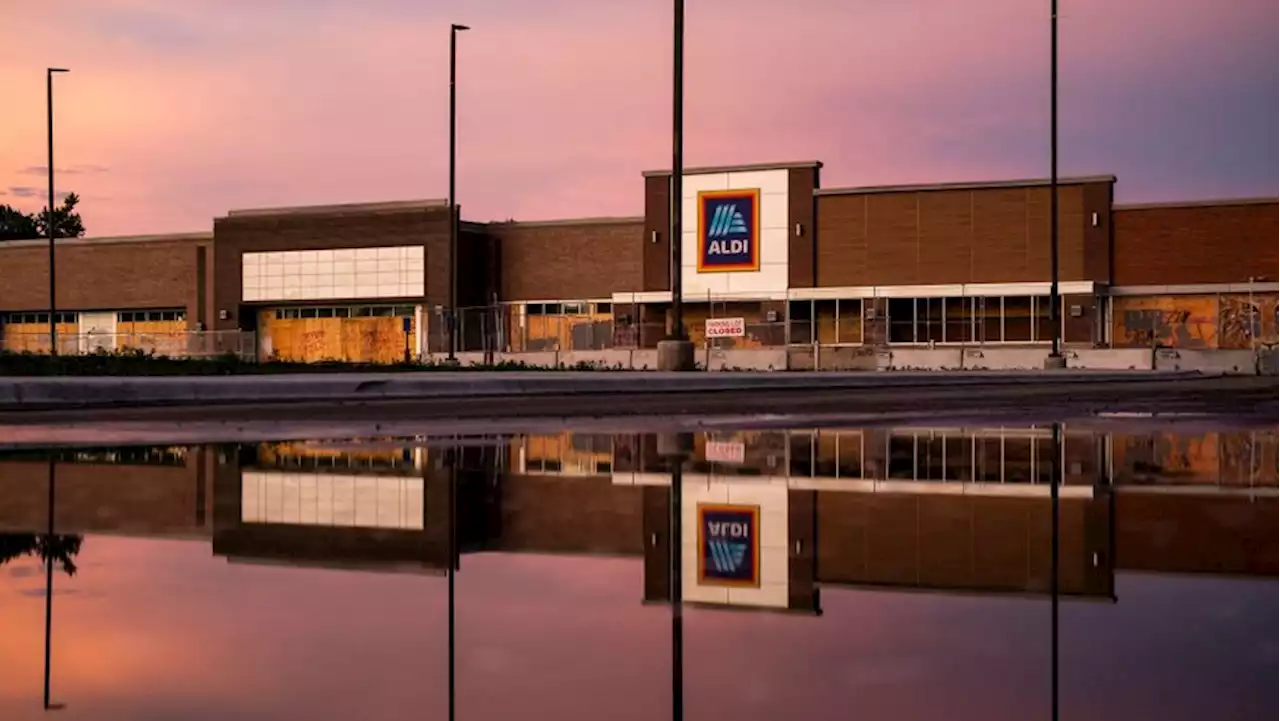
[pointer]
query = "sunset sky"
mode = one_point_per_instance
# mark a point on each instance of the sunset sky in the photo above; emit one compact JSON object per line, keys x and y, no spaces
{"x":178,"y":110}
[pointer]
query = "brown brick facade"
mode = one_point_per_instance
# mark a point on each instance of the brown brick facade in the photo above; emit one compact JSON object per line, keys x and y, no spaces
{"x":110,"y":274}
{"x":1195,"y":243}
{"x":568,"y":260}
{"x":960,"y":234}
{"x":235,"y":234}
{"x":960,"y":543}
{"x":916,"y":235}
{"x":107,"y":498}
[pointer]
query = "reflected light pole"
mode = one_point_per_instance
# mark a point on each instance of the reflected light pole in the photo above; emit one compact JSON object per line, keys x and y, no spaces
{"x":48,"y":595}
{"x":452,"y":324}
{"x":452,"y":460}
{"x":49,"y":224}
{"x":1055,"y":480}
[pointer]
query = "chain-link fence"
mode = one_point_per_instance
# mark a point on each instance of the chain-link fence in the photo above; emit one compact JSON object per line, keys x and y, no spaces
{"x":620,"y":323}
{"x":171,"y":344}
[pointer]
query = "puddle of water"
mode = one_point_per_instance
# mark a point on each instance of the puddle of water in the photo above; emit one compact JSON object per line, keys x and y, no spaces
{"x":916,"y":572}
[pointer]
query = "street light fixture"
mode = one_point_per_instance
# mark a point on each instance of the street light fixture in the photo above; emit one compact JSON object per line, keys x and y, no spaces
{"x":452,"y":323}
{"x":49,"y":224}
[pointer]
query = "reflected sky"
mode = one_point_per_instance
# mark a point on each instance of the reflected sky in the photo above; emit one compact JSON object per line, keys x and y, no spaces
{"x":932,"y":602}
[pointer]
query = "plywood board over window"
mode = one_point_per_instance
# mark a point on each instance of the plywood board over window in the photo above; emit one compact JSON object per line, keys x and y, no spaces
{"x":358,"y":334}
{"x":29,"y":332}
{"x":1169,"y":321}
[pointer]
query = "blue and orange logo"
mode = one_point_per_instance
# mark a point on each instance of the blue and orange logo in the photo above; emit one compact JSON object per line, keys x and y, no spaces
{"x":728,"y":230}
{"x":728,"y":545}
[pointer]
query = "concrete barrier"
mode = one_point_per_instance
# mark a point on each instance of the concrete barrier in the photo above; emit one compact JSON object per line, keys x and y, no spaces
{"x":1111,"y":359}
{"x":847,"y":358}
{"x":1233,"y":362}
{"x":1004,"y":359}
{"x":1268,"y":362}
{"x":920,"y":359}
{"x":754,"y":359}
{"x":74,"y":392}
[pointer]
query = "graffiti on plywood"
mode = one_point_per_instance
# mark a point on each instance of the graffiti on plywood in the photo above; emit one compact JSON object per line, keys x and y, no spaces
{"x":1249,"y":458}
{"x":1166,"y":458}
{"x":1247,"y":320}
{"x":1189,"y":321}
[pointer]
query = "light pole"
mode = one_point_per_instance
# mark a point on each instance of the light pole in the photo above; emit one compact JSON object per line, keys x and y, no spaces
{"x":454,"y":29}
{"x":677,"y":172}
{"x":1055,"y":359}
{"x":49,"y":224}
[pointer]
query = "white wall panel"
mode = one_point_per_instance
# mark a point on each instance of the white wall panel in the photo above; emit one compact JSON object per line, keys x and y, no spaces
{"x":774,"y":237}
{"x":308,"y":275}
{"x":324,"y":499}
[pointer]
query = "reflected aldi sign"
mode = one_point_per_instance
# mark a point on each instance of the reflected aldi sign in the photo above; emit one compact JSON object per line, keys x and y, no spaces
{"x":728,"y":545}
{"x":728,"y":230}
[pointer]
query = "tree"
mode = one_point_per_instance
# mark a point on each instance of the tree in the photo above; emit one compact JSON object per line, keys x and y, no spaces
{"x":60,"y":547}
{"x":16,"y":225}
{"x":66,"y":222}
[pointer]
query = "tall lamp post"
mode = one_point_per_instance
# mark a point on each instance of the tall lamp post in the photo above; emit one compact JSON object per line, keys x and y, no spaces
{"x":1055,"y":359}
{"x":454,"y":29}
{"x":677,"y":173}
{"x":49,"y":224}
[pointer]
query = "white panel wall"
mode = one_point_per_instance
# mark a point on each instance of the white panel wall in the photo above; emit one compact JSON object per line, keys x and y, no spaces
{"x":305,"y":275}
{"x":324,"y":499}
{"x":774,"y":579}
{"x":774,"y":236}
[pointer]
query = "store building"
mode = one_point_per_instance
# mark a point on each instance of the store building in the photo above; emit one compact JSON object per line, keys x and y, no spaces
{"x":793,"y":263}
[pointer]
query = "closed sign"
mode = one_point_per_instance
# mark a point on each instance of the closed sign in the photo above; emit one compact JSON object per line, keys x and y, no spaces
{"x":726,"y":327}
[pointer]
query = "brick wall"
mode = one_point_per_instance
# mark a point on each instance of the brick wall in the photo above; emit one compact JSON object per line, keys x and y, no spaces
{"x":427,"y":226}
{"x":98,"y":498}
{"x":963,"y":543}
{"x":1195,"y":243}
{"x":569,"y":260}
{"x":963,"y":235}
{"x":570,"y":514}
{"x":106,"y":274}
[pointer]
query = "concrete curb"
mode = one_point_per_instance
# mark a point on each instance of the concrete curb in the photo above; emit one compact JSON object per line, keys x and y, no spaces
{"x":45,"y":393}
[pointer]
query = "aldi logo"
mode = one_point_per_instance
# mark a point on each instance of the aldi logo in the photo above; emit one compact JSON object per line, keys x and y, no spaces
{"x":728,"y":545}
{"x":728,"y":230}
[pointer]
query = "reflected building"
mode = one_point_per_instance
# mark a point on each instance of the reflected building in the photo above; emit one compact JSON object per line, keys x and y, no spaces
{"x":944,"y":509}
{"x":961,"y":510}
{"x":383,"y":507}
{"x":133,"y":491}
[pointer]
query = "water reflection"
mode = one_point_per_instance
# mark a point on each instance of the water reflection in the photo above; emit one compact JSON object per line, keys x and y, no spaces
{"x":758,"y":520}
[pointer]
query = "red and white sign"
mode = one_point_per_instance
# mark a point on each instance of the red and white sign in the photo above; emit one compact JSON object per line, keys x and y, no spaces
{"x":726,"y":327}
{"x":725,"y":452}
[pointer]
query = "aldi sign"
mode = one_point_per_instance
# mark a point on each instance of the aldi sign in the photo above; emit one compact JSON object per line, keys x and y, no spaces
{"x":728,"y":230}
{"x":728,"y":545}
